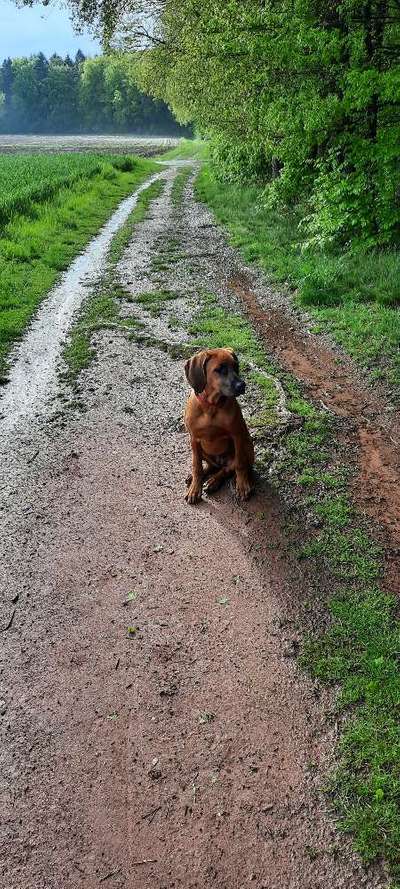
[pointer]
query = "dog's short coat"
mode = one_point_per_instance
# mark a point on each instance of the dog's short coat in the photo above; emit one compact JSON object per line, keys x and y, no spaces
{"x":218,"y":432}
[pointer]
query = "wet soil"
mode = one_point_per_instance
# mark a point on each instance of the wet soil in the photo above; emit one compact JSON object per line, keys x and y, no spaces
{"x":372,"y":431}
{"x":156,"y":730}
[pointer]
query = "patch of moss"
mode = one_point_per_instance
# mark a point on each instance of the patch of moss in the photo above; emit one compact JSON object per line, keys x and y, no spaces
{"x":154,"y":301}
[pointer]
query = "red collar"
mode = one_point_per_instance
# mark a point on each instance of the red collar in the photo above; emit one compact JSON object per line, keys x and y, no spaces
{"x":209,"y":404}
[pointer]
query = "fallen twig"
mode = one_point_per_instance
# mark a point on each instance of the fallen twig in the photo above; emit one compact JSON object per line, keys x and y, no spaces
{"x":145,"y":861}
{"x":79,"y":868}
{"x":33,"y":457}
{"x":112,"y":873}
{"x":325,"y":407}
{"x":7,"y":627}
{"x":151,"y":814}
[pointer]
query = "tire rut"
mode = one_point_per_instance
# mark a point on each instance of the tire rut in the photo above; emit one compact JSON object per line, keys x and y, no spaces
{"x":372,"y":431}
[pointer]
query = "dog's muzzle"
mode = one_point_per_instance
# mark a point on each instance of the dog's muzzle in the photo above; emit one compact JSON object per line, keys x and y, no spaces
{"x":239,"y":387}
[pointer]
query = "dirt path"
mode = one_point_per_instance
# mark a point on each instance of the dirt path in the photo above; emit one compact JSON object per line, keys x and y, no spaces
{"x":187,"y":751}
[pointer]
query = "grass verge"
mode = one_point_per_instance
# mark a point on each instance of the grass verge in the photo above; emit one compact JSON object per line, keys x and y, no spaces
{"x":34,"y":250}
{"x":356,"y":297}
{"x":187,"y":148}
{"x":101,"y":309}
{"x":358,"y":651}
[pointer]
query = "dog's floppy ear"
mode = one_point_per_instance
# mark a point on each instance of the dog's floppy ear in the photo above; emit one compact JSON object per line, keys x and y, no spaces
{"x":235,"y":360}
{"x":195,"y":370}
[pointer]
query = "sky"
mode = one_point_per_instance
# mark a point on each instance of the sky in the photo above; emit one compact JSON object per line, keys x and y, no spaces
{"x":40,"y":28}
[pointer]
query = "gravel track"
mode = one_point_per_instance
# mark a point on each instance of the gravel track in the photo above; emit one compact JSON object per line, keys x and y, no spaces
{"x":156,"y":731}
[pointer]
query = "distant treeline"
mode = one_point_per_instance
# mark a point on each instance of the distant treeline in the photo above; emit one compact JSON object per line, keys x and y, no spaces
{"x":55,"y":95}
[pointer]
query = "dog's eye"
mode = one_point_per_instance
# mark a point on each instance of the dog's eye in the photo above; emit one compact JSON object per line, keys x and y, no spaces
{"x":222,"y":369}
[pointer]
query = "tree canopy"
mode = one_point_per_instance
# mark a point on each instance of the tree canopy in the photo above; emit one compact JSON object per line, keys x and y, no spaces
{"x":304,"y":94}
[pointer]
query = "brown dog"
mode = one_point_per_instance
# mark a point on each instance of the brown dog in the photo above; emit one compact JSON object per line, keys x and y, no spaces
{"x":218,"y":432}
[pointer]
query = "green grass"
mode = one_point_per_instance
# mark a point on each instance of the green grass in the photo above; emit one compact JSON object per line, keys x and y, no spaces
{"x":78,"y":352}
{"x":26,"y":179}
{"x":187,"y":148}
{"x":356,"y":297}
{"x":334,"y":510}
{"x":169,"y":253}
{"x":358,"y":651}
{"x":217,"y":329}
{"x":34,"y":250}
{"x":155,"y":300}
{"x":101,"y":308}
{"x":179,"y":185}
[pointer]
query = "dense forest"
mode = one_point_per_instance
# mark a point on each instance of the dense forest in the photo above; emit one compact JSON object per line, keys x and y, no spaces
{"x":304,"y":94}
{"x":39,"y":95}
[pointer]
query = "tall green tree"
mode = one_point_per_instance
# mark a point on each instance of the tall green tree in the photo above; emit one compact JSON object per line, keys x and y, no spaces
{"x":28,"y":94}
{"x":6,"y":82}
{"x":93,"y":104}
{"x":62,"y":95}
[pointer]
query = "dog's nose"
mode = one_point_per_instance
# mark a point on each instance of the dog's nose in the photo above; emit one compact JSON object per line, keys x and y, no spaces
{"x":240,"y":387}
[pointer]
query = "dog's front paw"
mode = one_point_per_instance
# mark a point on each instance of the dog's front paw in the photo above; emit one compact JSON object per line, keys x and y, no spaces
{"x":194,"y":492}
{"x":243,"y":488}
{"x":214,"y":483}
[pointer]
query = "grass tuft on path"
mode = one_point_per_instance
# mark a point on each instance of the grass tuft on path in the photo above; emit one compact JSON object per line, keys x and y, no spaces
{"x":187,"y":148}
{"x":155,"y":300}
{"x":179,"y":185}
{"x":35,"y":249}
